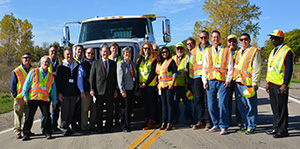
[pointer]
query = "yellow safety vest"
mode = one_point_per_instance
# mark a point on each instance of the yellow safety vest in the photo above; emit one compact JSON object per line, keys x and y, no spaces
{"x":144,"y":71}
{"x":243,"y":66}
{"x":196,"y":62}
{"x":217,"y":65}
{"x":118,"y":58}
{"x":21,"y":76}
{"x":40,"y":88}
{"x":180,"y":80}
{"x":165,"y":77}
{"x":50,"y":68}
{"x":276,"y":67}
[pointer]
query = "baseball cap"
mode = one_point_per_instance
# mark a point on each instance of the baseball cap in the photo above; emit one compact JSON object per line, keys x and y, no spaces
{"x":277,"y":33}
{"x":179,"y":44}
{"x":232,"y":37}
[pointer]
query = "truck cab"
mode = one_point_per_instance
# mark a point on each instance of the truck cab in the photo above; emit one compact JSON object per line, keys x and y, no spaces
{"x":127,"y":31}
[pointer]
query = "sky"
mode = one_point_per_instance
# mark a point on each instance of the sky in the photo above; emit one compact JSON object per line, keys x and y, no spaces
{"x":48,"y":17}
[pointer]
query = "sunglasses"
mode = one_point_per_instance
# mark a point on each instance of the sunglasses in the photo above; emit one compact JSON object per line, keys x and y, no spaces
{"x":242,"y":39}
{"x":90,"y":53}
{"x":189,"y":43}
{"x":164,"y":52}
{"x":274,"y":37}
{"x":147,"y":48}
{"x":155,"y":49}
{"x":179,"y":48}
{"x":203,"y":37}
{"x":232,"y":41}
{"x":26,"y":57}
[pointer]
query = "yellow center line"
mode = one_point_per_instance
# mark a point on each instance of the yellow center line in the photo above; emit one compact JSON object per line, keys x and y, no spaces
{"x":152,"y":139}
{"x":140,"y":139}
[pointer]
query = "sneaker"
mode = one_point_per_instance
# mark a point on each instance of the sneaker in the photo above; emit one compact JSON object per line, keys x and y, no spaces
{"x":207,"y":126}
{"x":214,"y":129}
{"x":223,"y":132}
{"x":250,"y":131}
{"x":241,"y":130}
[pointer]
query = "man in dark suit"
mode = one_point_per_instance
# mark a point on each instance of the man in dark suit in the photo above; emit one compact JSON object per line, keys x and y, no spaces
{"x":103,"y":80}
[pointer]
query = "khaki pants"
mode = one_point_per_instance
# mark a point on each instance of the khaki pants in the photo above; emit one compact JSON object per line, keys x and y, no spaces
{"x":19,"y":109}
{"x":86,"y":106}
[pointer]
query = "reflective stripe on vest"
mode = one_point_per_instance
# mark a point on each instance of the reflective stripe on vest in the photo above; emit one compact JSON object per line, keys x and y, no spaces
{"x":164,"y":76}
{"x":243,"y":66}
{"x":118,"y":59}
{"x":50,"y":68}
{"x":21,"y":76}
{"x":40,"y":88}
{"x":217,"y":66}
{"x":144,"y":71}
{"x":180,"y":80}
{"x":196,"y":62}
{"x":276,"y":68}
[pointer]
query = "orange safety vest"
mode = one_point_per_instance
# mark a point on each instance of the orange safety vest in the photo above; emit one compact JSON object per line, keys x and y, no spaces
{"x":165,"y":77}
{"x":243,"y":66}
{"x":217,"y":66}
{"x":40,"y":88}
{"x":21,"y":76}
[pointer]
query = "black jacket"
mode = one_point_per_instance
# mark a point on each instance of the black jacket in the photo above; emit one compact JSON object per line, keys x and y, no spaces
{"x":64,"y":75}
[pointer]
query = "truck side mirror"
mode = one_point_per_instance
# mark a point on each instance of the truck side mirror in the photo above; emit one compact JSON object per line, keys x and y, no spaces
{"x":166,"y":30}
{"x":66,"y":36}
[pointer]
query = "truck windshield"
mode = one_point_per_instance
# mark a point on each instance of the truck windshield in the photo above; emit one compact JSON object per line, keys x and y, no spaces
{"x":113,"y":28}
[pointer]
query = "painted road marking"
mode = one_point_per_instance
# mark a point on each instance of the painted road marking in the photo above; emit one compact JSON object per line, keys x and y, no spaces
{"x":141,"y":139}
{"x":152,"y":139}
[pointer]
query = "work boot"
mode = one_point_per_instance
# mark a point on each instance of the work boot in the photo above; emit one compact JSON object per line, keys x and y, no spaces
{"x":199,"y":125}
{"x":150,"y":125}
{"x":207,"y":126}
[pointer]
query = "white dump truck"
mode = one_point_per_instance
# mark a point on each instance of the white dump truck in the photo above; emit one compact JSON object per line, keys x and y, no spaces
{"x":131,"y":31}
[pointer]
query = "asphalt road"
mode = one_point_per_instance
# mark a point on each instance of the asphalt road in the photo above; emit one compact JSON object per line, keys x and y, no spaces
{"x":180,"y":137}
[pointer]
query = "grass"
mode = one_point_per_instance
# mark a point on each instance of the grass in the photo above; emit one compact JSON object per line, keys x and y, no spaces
{"x":6,"y":102}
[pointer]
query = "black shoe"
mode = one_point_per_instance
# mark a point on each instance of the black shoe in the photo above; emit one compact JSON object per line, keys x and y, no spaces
{"x":281,"y":135}
{"x":31,"y":134}
{"x":107,"y":131}
{"x":26,"y":138}
{"x":273,"y":132}
{"x":49,"y":136}
{"x":56,"y":129}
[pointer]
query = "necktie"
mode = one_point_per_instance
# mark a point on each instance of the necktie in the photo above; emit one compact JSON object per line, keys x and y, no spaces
{"x":105,"y":65}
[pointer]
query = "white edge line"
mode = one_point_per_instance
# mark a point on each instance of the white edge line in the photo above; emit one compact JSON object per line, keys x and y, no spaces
{"x":10,"y":129}
{"x":291,"y":98}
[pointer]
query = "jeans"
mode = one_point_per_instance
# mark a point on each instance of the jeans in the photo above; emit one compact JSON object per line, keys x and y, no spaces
{"x":218,"y":109}
{"x":247,"y":107}
{"x":201,"y":113}
{"x":180,"y":93}
{"x":167,"y":97}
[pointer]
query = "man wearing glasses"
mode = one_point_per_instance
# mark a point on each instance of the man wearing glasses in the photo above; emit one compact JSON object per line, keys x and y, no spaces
{"x":280,"y":69}
{"x":216,"y":77}
{"x":195,"y":64}
{"x":55,"y":61}
{"x":247,"y":70}
{"x":38,"y":90}
{"x":83,"y":84}
{"x":180,"y":91}
{"x":233,"y":45}
{"x":155,"y":50}
{"x":17,"y":80}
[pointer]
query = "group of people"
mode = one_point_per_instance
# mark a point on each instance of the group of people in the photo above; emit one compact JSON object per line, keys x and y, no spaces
{"x":82,"y":87}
